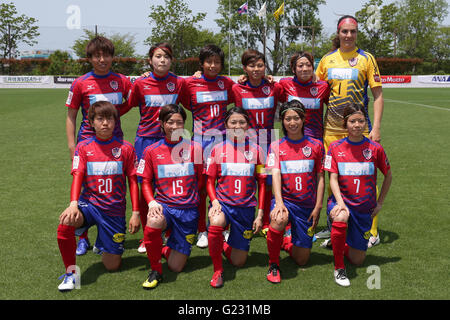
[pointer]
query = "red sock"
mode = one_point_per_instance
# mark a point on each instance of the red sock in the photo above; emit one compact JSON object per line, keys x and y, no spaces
{"x":287,"y":245}
{"x":227,"y":250}
{"x":67,"y":244}
{"x":274,"y":241}
{"x":267,"y":202}
{"x":153,"y":244}
{"x":84,"y":235}
{"x":202,"y":212}
{"x":215,"y":246}
{"x":338,"y":237}
{"x":166,"y":252}
{"x":143,"y":210}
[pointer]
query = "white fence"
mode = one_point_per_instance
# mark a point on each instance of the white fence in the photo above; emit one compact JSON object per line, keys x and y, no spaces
{"x":431,"y":81}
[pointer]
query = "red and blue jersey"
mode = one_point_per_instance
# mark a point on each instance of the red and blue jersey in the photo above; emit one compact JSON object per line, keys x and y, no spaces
{"x":91,"y":88}
{"x":299,"y":162}
{"x":105,"y":166}
{"x":174,"y":170}
{"x":356,"y":164}
{"x":260,"y":102}
{"x":237,"y":166}
{"x":208,"y":99}
{"x":312,"y":96}
{"x":150,"y":94}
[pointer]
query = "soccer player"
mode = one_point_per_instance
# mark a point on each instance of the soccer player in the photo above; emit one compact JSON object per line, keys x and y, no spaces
{"x":313,"y":95}
{"x":353,"y":162}
{"x":150,"y":93}
{"x":207,"y":97}
{"x":101,"y":164}
{"x":260,"y":99}
{"x":350,"y":71}
{"x":101,"y":84}
{"x":237,"y":166}
{"x":174,"y":166}
{"x":298,"y":186}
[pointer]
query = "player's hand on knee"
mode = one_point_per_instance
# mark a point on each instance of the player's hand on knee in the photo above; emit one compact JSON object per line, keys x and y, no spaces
{"x":71,"y":215}
{"x":216,"y":209}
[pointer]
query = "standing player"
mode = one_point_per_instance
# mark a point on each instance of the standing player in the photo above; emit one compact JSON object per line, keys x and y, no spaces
{"x":101,"y":164}
{"x":237,"y":166}
{"x":260,"y":99}
{"x":313,"y":95}
{"x":101,"y":84}
{"x":173,"y":167}
{"x":298,"y":185}
{"x":150,"y":93}
{"x":207,"y":97}
{"x":350,"y":71}
{"x":353,"y":162}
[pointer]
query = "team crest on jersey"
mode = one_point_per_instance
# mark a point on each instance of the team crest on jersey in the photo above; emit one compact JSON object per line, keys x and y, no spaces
{"x":307,"y":151}
{"x":171,"y":86}
{"x":221,"y":84}
{"x":114,"y":85}
{"x":353,"y":62}
{"x":116,"y":152}
{"x":376,"y":78}
{"x":367,"y":153}
{"x":266,"y":90}
{"x":248,"y":155}
{"x":314,"y":91}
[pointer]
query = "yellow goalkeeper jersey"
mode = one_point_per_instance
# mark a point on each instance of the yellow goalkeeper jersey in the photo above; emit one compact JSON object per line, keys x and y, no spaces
{"x":348,"y":74}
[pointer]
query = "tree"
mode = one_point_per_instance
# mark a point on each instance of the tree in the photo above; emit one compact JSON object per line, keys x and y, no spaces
{"x":124,"y":45}
{"x":174,"y":22}
{"x":277,"y":34}
{"x":15,"y":29}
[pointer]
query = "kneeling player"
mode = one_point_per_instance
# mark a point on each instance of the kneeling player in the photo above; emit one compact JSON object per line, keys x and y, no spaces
{"x":298,"y":187}
{"x":101,"y":164}
{"x":237,"y":165}
{"x":174,"y":166}
{"x":353,"y":163}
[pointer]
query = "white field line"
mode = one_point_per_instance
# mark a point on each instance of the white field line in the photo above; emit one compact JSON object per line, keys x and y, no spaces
{"x":417,"y":104}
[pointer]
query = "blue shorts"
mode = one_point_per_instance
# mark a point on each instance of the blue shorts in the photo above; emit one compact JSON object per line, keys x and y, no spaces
{"x":140,"y":143}
{"x":358,"y":226}
{"x":241,"y":225}
{"x":207,"y":143}
{"x":183,"y":223}
{"x":111,"y":229}
{"x":301,"y":229}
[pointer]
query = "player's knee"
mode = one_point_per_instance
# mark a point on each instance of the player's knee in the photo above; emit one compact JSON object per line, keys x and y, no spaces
{"x":155,"y":222}
{"x":177,"y":268}
{"x":112,"y":262}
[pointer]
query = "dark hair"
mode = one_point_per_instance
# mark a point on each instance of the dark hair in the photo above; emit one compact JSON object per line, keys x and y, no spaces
{"x":296,"y":56}
{"x":210,"y":51}
{"x":336,"y":42}
{"x":170,"y":109}
{"x":97,"y":44}
{"x":294,"y":105}
{"x":350,"y":109}
{"x":164,"y":46}
{"x":251,"y":56}
{"x":237,"y":110}
{"x":104,"y":109}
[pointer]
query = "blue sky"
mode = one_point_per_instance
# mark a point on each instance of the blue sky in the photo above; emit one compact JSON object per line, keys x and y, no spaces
{"x":118,"y":16}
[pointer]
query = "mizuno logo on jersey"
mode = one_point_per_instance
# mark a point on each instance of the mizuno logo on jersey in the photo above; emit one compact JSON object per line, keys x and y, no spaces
{"x":104,"y":168}
{"x":356,"y":168}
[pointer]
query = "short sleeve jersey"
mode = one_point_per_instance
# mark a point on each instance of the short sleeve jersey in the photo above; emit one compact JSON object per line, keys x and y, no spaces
{"x":237,"y":167}
{"x":91,"y":88}
{"x":356,"y":165}
{"x":208,"y":99}
{"x":105,"y":166}
{"x":260,"y":102}
{"x":349,"y":74}
{"x":299,"y":162}
{"x":312,"y":96}
{"x":172,"y":169}
{"x":150,"y":94}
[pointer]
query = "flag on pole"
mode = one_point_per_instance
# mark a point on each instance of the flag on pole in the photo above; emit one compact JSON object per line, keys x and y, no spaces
{"x":279,"y":12}
{"x":243,"y":9}
{"x":262,"y":12}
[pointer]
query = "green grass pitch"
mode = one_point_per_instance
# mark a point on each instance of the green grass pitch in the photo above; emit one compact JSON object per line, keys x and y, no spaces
{"x":413,"y":258}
